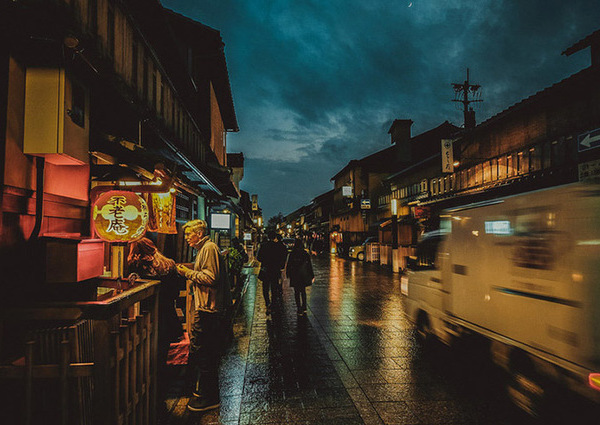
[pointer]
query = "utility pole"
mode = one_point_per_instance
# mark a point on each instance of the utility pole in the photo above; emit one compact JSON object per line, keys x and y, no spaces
{"x":461,"y":94}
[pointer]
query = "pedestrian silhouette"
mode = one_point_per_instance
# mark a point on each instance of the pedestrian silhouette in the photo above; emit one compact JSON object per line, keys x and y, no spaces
{"x":300,"y":273}
{"x":272,"y":256}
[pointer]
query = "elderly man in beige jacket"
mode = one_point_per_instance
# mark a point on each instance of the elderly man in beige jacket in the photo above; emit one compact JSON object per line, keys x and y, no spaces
{"x":212,"y":297}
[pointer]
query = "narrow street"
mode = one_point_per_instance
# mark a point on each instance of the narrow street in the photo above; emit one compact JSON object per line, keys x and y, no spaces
{"x":353,"y":360}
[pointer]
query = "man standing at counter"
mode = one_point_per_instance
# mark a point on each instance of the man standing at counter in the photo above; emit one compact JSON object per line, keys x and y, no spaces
{"x":212,"y":297}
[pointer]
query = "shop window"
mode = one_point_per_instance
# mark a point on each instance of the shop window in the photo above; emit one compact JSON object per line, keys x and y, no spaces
{"x":502,"y":161}
{"x":535,"y":158}
{"x":487,"y":172}
{"x":518,"y":163}
{"x":494,"y":169}
{"x":546,"y":149}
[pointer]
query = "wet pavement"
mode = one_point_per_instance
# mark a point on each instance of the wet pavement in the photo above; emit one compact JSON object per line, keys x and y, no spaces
{"x":352,"y":360}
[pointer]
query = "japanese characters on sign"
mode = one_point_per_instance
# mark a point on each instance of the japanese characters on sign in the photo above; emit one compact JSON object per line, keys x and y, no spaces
{"x":120,"y":216}
{"x":447,"y":156}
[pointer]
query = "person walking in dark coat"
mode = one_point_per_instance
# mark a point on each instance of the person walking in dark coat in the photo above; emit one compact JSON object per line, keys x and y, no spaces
{"x":300,"y":272}
{"x":272,"y":256}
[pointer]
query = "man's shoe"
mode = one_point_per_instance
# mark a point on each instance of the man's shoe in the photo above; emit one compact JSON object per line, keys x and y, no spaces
{"x":197,"y":404}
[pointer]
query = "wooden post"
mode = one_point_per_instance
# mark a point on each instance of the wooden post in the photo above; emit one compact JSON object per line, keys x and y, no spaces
{"x":117,"y":252}
{"x":147,"y":380}
{"x":28,"y":381}
{"x":132,"y":369}
{"x":153,"y":358}
{"x":117,"y":354}
{"x":125,"y":374}
{"x":102,"y":388}
{"x":64,"y":381}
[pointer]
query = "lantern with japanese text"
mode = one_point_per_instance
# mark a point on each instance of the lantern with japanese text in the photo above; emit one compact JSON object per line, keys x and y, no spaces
{"x":120,"y":216}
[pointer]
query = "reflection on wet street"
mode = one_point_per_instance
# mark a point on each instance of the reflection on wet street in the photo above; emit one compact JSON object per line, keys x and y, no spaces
{"x":353,"y":360}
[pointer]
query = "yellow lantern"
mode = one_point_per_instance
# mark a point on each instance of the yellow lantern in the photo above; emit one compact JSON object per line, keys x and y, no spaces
{"x":120,"y":216}
{"x":162,"y":213}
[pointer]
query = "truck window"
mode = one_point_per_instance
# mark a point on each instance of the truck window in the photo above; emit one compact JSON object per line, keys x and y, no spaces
{"x":427,"y":252}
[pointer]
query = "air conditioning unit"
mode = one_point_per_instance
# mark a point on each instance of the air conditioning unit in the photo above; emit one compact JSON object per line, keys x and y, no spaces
{"x":56,"y":117}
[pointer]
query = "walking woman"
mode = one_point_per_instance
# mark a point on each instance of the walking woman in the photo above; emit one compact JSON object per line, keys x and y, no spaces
{"x":300,"y":272}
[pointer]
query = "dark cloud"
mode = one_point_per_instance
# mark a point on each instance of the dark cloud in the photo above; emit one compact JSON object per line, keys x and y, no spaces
{"x":316,"y":83}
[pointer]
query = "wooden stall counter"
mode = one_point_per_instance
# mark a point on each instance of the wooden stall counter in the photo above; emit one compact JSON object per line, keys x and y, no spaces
{"x":90,"y":360}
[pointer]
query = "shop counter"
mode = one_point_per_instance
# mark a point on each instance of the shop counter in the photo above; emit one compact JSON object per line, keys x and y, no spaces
{"x":88,"y":360}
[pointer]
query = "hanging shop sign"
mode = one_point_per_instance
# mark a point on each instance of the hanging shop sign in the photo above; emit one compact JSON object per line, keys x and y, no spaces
{"x":447,"y":156}
{"x":120,"y":216}
{"x":162,"y":213}
{"x":421,"y":212}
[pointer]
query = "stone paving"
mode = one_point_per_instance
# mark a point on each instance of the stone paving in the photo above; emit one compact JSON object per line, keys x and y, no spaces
{"x":352,"y":360}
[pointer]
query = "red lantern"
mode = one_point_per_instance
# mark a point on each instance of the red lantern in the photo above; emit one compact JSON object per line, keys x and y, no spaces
{"x":120,"y":216}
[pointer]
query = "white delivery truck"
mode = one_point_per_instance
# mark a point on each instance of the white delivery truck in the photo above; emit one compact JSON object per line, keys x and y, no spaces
{"x":524,"y":272}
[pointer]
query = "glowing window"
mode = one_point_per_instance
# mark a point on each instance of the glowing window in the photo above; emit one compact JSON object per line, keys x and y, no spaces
{"x":498,"y":227}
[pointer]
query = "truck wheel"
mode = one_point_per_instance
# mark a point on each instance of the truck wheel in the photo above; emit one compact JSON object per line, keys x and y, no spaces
{"x":528,"y":392}
{"x":360,"y":256}
{"x":423,"y":328}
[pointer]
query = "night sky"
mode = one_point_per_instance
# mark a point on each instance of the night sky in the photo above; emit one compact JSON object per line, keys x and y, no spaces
{"x":318,"y":83}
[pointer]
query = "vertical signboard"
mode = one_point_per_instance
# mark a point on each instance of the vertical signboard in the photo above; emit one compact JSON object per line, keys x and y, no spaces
{"x":447,"y":156}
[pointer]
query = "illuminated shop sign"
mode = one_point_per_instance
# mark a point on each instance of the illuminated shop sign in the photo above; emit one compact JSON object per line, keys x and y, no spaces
{"x":120,"y":216}
{"x":219,"y":221}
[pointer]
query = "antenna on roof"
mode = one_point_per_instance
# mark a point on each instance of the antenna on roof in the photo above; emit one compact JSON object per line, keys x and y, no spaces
{"x":461,"y":94}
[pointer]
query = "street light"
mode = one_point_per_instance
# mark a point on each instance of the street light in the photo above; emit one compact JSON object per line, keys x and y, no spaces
{"x":394,"y":209}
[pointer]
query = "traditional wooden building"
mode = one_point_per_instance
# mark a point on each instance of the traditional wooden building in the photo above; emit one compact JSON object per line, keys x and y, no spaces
{"x":98,"y":95}
{"x":547,"y":139}
{"x":361,"y":200}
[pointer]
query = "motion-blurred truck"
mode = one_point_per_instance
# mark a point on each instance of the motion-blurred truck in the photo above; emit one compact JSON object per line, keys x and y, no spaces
{"x":524,"y":273}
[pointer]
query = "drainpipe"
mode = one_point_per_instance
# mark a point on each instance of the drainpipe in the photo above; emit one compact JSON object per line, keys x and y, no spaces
{"x":39,"y":197}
